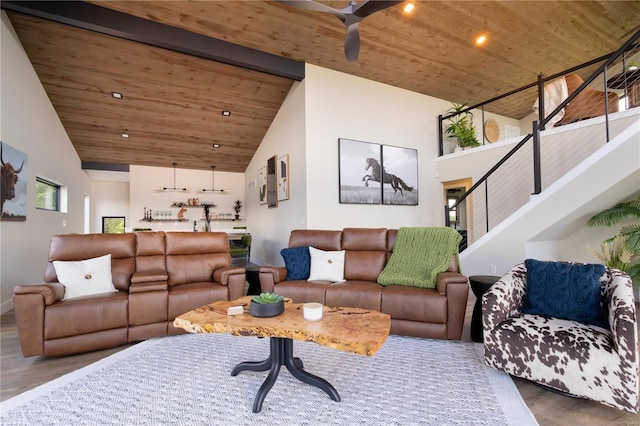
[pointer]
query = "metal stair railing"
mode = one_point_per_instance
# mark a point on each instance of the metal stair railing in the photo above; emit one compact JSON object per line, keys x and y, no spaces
{"x":631,"y":45}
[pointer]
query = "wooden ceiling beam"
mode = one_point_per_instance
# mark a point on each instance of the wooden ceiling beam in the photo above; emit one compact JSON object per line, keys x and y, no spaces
{"x":111,"y":22}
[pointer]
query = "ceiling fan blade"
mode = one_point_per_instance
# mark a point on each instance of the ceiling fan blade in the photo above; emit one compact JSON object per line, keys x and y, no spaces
{"x":312,"y":5}
{"x":352,"y":43}
{"x":368,"y":7}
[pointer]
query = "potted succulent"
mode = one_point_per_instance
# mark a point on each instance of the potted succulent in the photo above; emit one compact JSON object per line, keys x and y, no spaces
{"x":266,"y":305}
{"x":237,"y":207}
{"x":461,"y":126}
{"x":621,"y":251}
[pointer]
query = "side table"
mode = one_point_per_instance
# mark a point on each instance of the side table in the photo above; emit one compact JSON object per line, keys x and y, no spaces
{"x":480,"y":284}
{"x":253,"y":278}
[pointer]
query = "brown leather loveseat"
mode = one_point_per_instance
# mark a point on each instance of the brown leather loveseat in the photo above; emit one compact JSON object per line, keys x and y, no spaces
{"x":434,"y":313}
{"x":158,"y":276}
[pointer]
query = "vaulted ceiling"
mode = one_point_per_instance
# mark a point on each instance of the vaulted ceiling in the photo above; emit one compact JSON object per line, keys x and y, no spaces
{"x":174,"y":91}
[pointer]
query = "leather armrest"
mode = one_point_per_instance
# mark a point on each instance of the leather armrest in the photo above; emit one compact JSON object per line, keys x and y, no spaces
{"x":50,"y":292}
{"x":149,"y":276}
{"x":148,"y":286}
{"x":222,"y":275}
{"x":279,"y":273}
{"x":270,"y":276}
{"x":443,"y":279}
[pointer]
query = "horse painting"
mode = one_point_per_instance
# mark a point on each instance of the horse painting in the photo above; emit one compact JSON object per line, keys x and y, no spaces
{"x":379,"y":174}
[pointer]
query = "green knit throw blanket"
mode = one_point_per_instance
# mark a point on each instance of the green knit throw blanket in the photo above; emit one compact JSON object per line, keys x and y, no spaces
{"x":420,"y":254}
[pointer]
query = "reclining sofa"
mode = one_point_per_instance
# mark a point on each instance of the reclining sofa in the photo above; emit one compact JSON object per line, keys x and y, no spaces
{"x":158,"y":275}
{"x":415,"y":311}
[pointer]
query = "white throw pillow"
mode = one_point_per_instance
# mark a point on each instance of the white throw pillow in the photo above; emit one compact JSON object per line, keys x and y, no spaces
{"x":85,"y":277}
{"x":326,"y":265}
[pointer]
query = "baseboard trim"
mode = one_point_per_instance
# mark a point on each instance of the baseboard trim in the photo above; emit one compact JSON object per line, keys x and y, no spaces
{"x":6,"y":306}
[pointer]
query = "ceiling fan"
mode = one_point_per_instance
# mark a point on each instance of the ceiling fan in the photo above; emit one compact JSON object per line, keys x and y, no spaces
{"x":350,"y":15}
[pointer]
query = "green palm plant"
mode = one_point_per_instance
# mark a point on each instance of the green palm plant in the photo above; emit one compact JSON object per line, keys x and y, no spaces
{"x":623,"y":250}
{"x":461,"y":125}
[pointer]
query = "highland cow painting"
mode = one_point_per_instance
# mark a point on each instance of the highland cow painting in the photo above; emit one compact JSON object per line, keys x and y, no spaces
{"x":13,"y":187}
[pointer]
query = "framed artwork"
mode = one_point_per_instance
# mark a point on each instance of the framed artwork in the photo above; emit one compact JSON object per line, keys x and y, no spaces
{"x":272,"y":184}
{"x":262,"y":184}
{"x":357,"y":186}
{"x":371,"y":173}
{"x":13,"y":188}
{"x":400,"y":175}
{"x":283,"y":177}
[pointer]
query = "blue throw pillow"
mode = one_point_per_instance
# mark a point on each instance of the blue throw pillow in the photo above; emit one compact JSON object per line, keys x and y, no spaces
{"x":298,"y":262}
{"x":565,"y":290}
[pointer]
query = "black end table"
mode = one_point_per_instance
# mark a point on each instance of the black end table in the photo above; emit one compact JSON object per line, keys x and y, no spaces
{"x":480,"y":284}
{"x":253,"y":278}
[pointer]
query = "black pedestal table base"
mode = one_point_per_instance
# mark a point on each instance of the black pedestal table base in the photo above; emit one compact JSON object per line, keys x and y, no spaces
{"x":282,"y":354}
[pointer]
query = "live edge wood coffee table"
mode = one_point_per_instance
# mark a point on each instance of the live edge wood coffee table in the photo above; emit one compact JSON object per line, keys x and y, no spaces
{"x":354,"y":330}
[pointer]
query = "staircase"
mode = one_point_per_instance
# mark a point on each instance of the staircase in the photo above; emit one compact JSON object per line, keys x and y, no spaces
{"x":540,"y":228}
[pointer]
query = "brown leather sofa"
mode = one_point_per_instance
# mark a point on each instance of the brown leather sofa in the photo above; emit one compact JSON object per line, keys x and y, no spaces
{"x":158,"y":276}
{"x":434,"y":313}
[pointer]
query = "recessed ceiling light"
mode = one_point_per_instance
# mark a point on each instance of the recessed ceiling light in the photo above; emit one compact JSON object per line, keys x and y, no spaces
{"x":408,"y":8}
{"x":116,"y":95}
{"x":226,"y":113}
{"x":481,"y":39}
{"x":125,"y":135}
{"x":216,"y":145}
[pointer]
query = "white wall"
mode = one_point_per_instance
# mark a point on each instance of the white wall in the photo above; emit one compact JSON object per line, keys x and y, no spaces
{"x":326,"y":106}
{"x":29,"y":123}
{"x":343,"y":106}
{"x":143,"y":193}
{"x":270,"y":227}
{"x":108,"y":199}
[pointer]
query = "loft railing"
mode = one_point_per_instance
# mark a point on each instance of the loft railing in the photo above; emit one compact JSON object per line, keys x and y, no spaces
{"x":612,"y":84}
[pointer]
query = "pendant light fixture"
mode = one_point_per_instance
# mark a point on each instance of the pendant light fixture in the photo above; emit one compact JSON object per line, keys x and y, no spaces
{"x":213,"y":185}
{"x":174,"y":188}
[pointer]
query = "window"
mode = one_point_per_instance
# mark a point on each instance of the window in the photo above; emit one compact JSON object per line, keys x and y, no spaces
{"x":113,"y":224}
{"x":47,"y":195}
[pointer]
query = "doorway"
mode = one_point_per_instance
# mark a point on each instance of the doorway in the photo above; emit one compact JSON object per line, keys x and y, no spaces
{"x":459,"y":216}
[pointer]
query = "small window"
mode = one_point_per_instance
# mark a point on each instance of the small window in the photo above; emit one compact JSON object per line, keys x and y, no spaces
{"x":47,"y":195}
{"x":113,"y":224}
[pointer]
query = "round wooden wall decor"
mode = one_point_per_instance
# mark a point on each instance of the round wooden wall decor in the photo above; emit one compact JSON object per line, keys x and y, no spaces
{"x":491,"y":130}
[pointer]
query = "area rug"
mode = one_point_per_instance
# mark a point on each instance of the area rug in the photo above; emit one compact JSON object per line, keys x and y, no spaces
{"x":185,"y":380}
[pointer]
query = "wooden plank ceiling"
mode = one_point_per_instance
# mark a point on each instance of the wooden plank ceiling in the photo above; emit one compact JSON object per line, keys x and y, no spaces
{"x":172,"y":101}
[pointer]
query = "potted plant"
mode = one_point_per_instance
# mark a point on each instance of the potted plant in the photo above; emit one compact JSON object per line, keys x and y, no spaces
{"x":237,"y":207}
{"x":266,"y":305}
{"x":621,"y":251}
{"x":461,"y":126}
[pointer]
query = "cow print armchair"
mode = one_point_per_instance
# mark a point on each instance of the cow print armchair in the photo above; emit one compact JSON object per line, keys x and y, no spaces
{"x":596,"y":360}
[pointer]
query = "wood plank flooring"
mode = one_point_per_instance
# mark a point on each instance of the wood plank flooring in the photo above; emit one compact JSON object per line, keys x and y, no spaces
{"x":18,"y":374}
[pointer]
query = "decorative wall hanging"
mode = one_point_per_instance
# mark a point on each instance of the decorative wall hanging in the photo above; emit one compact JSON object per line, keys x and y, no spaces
{"x":491,"y":130}
{"x":13,"y":188}
{"x":355,"y":184}
{"x":272,"y":184}
{"x":400,"y":174}
{"x":262,"y":184}
{"x":283,"y":177}
{"x":371,"y":173}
